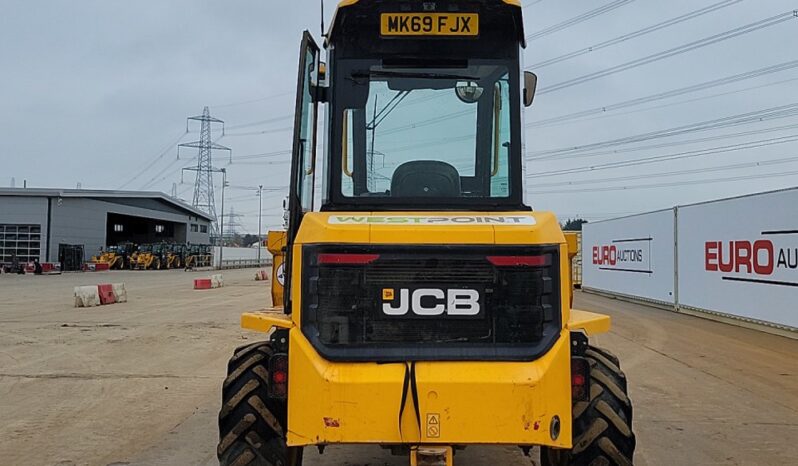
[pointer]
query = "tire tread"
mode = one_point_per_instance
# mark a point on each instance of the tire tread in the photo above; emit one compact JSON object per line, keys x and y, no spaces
{"x":603,"y":434}
{"x":252,"y":425}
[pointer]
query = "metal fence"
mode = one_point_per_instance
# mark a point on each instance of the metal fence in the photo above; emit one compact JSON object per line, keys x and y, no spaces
{"x":245,"y":263}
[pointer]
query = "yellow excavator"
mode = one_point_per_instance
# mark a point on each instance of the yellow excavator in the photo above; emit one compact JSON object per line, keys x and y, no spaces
{"x":427,"y":308}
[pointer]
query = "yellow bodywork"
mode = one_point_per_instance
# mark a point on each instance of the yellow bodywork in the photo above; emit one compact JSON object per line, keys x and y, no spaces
{"x":197,"y":260}
{"x":459,"y":402}
{"x":146,"y":261}
{"x":113,"y":259}
{"x":275,"y":243}
{"x":173,"y":260}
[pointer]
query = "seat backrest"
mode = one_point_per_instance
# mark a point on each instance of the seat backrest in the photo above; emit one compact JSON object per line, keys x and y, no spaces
{"x":425,"y":178}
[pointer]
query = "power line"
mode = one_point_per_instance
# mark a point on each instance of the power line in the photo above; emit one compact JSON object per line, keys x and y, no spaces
{"x":155,"y":160}
{"x":638,"y":33}
{"x":579,"y":117}
{"x":783,"y":111}
{"x":254,"y":195}
{"x":154,"y":180}
{"x":578,"y":19}
{"x":668,"y":157}
{"x":277,"y":162}
{"x":670,"y":184}
{"x":256,"y":133}
{"x":429,"y":121}
{"x":261,"y":99}
{"x":736,"y":166}
{"x":255,"y":188}
{"x":262,"y":155}
{"x":261,"y":122}
{"x":563,"y":119}
{"x":620,"y":105}
{"x":533,"y":3}
{"x":672,"y":93}
{"x":755,"y":26}
{"x":685,"y":142}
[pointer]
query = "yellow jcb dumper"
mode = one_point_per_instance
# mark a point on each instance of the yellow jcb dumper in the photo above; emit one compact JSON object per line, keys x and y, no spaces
{"x":427,"y":307}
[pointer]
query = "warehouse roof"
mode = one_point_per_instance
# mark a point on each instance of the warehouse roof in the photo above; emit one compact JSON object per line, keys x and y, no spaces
{"x":99,"y":193}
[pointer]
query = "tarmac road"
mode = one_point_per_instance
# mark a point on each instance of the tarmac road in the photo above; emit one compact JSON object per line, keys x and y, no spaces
{"x":138,"y":383}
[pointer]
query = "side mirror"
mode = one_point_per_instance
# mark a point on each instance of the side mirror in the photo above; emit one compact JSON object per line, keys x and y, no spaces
{"x":530,"y":85}
{"x":468,"y":92}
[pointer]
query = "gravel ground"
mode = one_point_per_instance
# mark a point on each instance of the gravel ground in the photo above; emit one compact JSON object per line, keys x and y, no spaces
{"x":138,"y":383}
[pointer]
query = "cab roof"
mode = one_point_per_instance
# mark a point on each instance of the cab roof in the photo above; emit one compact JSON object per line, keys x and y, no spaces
{"x":343,"y":4}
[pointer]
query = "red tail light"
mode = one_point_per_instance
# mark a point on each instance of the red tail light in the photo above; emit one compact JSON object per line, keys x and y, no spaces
{"x":347,"y":259}
{"x":518,"y":261}
{"x":278,"y":376}
{"x":580,"y":379}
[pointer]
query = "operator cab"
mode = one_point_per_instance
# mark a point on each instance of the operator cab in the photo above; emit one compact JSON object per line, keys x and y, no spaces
{"x":424,"y":108}
{"x":424,"y":103}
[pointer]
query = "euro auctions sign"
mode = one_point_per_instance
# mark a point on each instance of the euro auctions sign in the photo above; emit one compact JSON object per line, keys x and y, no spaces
{"x":631,"y":256}
{"x":740,"y":257}
{"x":624,"y":255}
{"x":760,"y":261}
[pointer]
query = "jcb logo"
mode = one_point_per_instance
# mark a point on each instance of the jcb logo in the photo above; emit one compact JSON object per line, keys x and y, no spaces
{"x":430,"y":302}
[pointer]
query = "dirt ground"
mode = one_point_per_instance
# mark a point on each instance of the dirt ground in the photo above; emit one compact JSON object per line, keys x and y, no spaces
{"x":138,"y":383}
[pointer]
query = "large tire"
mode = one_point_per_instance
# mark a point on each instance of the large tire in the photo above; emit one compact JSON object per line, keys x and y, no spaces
{"x":252,"y":425}
{"x":602,"y":427}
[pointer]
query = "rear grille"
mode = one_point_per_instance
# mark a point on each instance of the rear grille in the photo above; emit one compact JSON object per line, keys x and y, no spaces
{"x":432,"y":270}
{"x":344,"y":304}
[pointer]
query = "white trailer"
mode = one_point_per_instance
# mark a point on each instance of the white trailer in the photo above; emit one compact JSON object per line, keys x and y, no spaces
{"x":733,"y":259}
{"x":631,"y":256}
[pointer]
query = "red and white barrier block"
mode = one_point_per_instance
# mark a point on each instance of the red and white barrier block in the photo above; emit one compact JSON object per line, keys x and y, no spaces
{"x":98,"y":295}
{"x":89,"y":267}
{"x":216,"y":281}
{"x":51,"y":268}
{"x":202,"y":283}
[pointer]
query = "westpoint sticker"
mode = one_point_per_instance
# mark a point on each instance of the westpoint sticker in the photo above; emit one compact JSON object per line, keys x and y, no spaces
{"x":432,"y":220}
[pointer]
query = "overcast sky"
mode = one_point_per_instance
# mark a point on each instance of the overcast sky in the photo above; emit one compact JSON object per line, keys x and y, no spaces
{"x":97,"y":93}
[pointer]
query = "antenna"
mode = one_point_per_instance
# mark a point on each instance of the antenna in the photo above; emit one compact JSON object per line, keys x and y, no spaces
{"x":322,"y":17}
